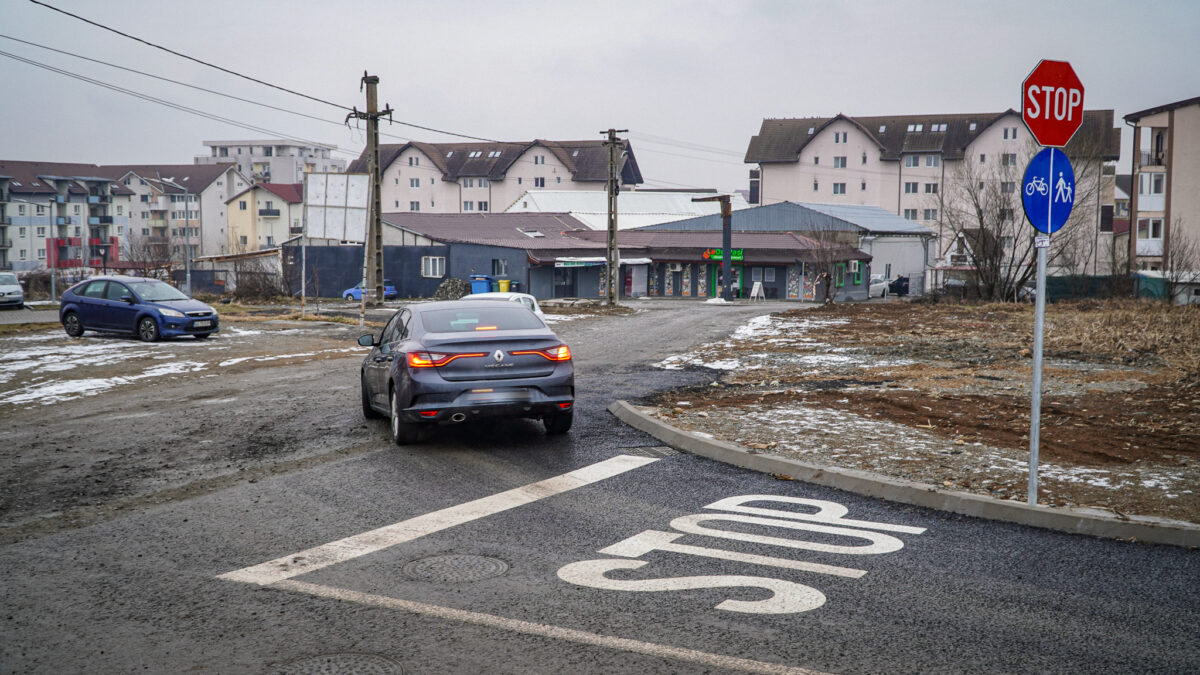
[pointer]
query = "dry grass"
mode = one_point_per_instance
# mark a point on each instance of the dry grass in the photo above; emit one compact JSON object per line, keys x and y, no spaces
{"x":1129,"y":331}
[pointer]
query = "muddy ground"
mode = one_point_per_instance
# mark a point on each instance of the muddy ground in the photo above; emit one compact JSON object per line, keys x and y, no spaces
{"x":940,"y":393}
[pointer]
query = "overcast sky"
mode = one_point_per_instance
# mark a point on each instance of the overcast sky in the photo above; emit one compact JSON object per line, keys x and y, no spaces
{"x":691,"y":80}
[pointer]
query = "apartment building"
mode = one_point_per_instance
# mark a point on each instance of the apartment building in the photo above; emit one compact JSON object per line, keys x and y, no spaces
{"x":59,"y":215}
{"x":176,"y":206}
{"x":484,"y":177}
{"x":273,"y":161}
{"x":925,"y":168}
{"x":265,"y":215}
{"x":1165,"y":189}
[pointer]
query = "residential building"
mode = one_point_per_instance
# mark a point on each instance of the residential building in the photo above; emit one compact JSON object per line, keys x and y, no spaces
{"x":940,"y":170}
{"x":483,"y":177}
{"x":59,"y":215}
{"x":176,"y":206}
{"x":265,"y":215}
{"x":273,"y":161}
{"x":635,"y":208}
{"x":1165,"y":189}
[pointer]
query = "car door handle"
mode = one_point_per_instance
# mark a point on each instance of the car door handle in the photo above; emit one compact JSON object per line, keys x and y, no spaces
{"x":383,"y":359}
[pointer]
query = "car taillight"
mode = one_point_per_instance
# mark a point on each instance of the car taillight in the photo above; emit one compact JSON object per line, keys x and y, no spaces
{"x":559,"y":353}
{"x":434,"y":359}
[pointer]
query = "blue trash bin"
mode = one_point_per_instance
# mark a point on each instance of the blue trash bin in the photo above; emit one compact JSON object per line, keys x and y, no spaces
{"x":481,"y":283}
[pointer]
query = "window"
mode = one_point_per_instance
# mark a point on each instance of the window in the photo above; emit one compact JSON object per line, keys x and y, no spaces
{"x":558,"y":179}
{"x":910,"y":188}
{"x":468,"y":206}
{"x":864,"y":185}
{"x":433,"y":266}
{"x":270,"y":240}
{"x":930,"y":214}
{"x":1007,"y":242}
{"x":816,"y":160}
{"x":41,"y":232}
{"x":414,"y":182}
{"x":242,"y":239}
{"x":840,"y":275}
{"x":839,"y":162}
{"x":756,"y":274}
{"x":20,"y":209}
{"x":1008,"y":187}
{"x":468,"y":182}
{"x":910,"y":214}
{"x":539,"y":182}
{"x":41,"y":210}
{"x":769,"y":274}
{"x":937,"y":127}
{"x":1006,"y":214}
{"x":1008,"y":159}
{"x":1010,"y":133}
{"x":518,"y":180}
{"x":474,"y":153}
{"x":911,"y":161}
{"x":839,"y":188}
{"x":499,"y":267}
{"x":1150,"y":228}
{"x":932,"y":160}
{"x":20,"y":232}
{"x":840,"y":136}
{"x":864,"y":158}
{"x":267,"y":152}
{"x":145,"y":232}
{"x":414,"y":206}
{"x":22,"y":254}
{"x":483,"y":206}
{"x":816,"y":186}
{"x":494,"y":154}
{"x":982,"y":158}
{"x":483,"y":182}
{"x":882,"y":128}
{"x":971,"y":126}
{"x":120,"y":210}
{"x":931,"y":188}
{"x":414,"y":161}
{"x":41,"y":254}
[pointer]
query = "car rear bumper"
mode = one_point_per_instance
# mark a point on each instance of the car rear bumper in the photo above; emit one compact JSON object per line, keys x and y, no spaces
{"x":500,"y":401}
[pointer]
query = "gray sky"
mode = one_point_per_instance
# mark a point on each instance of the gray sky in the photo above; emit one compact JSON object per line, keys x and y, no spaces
{"x":691,"y":80}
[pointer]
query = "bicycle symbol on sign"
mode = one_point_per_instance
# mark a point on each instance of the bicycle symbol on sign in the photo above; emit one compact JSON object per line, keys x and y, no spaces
{"x":1038,"y":184}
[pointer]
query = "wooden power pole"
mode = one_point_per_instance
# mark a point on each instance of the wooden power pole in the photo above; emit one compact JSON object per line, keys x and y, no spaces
{"x":374,"y":255}
{"x":614,"y":188}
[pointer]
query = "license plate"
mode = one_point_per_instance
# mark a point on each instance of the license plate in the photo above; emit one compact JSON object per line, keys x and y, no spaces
{"x":202,"y":324}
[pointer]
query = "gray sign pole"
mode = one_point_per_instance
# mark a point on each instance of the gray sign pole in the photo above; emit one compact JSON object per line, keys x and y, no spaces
{"x":1035,"y":413}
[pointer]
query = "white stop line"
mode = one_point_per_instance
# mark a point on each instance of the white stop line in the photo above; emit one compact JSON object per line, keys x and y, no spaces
{"x":278,"y":573}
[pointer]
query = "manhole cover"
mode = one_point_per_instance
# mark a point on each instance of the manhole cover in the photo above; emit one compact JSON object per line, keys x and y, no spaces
{"x":342,"y":664}
{"x":655,"y":451}
{"x":455,"y":568}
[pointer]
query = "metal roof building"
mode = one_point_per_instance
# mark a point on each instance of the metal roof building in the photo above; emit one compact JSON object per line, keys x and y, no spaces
{"x":635,"y":208}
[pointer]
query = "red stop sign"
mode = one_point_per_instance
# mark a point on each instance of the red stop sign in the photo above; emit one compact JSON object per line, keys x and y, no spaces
{"x":1052,"y":103}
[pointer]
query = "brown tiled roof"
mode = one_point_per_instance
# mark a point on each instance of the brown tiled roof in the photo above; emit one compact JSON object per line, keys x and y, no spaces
{"x":187,"y":175}
{"x":586,"y":160}
{"x":25,"y":176}
{"x":781,"y":140}
{"x":513,"y":230}
{"x":292,"y":193}
{"x":1134,"y":117}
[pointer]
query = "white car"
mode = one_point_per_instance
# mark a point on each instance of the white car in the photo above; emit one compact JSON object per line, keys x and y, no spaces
{"x":878,"y":287}
{"x":11,"y":293}
{"x":526,"y":299}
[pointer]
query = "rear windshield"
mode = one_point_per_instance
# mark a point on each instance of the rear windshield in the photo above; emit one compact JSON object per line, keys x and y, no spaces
{"x":475,"y":319}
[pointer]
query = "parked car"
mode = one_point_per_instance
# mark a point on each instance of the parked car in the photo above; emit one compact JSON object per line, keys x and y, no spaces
{"x":11,"y":293}
{"x":878,"y":287}
{"x":453,"y":361}
{"x":389,"y":291}
{"x":525,"y":299}
{"x":147,"y":308}
{"x":898,"y":286}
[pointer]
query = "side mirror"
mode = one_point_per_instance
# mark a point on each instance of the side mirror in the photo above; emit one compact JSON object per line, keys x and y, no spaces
{"x":127,"y":299}
{"x":367,"y":340}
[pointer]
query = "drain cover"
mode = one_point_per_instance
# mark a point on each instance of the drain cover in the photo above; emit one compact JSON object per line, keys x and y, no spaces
{"x":342,"y":664}
{"x":456,"y":568}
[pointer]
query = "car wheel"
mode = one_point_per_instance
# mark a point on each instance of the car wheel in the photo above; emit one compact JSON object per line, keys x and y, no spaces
{"x":403,"y":433}
{"x":558,"y":423}
{"x":147,"y":329}
{"x":348,"y":297}
{"x":72,"y":324}
{"x":368,"y":412}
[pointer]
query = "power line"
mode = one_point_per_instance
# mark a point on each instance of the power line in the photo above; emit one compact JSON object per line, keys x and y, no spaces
{"x":191,"y":58}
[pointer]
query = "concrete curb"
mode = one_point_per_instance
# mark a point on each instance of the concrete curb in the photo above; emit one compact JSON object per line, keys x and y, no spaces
{"x":1078,"y":521}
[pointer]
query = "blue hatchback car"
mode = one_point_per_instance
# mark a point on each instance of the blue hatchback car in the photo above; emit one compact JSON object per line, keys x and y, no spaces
{"x":147,"y":308}
{"x":389,"y":291}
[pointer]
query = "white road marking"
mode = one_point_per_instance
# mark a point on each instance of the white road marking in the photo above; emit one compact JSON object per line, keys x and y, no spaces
{"x":705,"y":659}
{"x":286,"y":567}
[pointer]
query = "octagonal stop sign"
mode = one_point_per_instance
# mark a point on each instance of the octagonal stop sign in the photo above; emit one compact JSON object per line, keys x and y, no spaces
{"x":1052,"y":103}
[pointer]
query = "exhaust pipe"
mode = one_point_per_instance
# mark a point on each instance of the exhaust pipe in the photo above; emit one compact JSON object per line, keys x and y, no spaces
{"x":458,"y":417}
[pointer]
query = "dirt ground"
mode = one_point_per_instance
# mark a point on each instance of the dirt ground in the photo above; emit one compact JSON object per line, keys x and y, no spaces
{"x":940,"y":393}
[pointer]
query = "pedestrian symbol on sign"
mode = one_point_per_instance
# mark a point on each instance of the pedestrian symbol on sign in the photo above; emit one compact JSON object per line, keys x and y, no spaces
{"x":1062,"y":190}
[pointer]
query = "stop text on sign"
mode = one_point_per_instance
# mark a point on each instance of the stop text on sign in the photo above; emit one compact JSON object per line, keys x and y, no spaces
{"x":1045,"y":102}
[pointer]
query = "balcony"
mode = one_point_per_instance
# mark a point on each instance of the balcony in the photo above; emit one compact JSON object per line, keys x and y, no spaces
{"x":156,"y":222}
{"x":295,"y":230}
{"x":63,"y":220}
{"x":61,"y":199}
{"x":6,"y":220}
{"x":99,"y":199}
{"x":269,"y":213}
{"x":1148,"y":158}
{"x":1150,"y":247}
{"x":5,"y":243}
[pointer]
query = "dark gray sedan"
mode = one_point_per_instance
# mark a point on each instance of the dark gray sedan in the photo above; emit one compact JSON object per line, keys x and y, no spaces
{"x":449,"y":362}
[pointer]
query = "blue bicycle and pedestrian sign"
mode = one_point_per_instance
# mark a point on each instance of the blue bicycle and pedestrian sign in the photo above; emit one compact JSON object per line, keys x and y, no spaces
{"x":1048,"y":191}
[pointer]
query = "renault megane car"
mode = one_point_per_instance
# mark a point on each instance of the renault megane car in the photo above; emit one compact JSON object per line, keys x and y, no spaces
{"x":448,"y":362}
{"x":147,"y":308}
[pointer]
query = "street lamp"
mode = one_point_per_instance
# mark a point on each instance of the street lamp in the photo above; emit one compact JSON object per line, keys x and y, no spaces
{"x":187,"y":235}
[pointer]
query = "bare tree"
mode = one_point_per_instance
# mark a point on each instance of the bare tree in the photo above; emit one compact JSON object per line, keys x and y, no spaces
{"x":830,"y":248}
{"x":983,"y":212}
{"x":1181,"y":263}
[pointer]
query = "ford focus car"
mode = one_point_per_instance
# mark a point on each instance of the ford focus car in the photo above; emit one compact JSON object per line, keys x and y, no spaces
{"x":449,"y":362}
{"x":147,"y":308}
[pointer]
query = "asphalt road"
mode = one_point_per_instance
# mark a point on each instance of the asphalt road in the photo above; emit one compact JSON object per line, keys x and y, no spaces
{"x":297,"y":570}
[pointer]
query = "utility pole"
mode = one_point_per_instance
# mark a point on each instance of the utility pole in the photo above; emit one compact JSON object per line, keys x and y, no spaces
{"x":726,"y":243}
{"x":373,"y":261}
{"x":612,"y":256}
